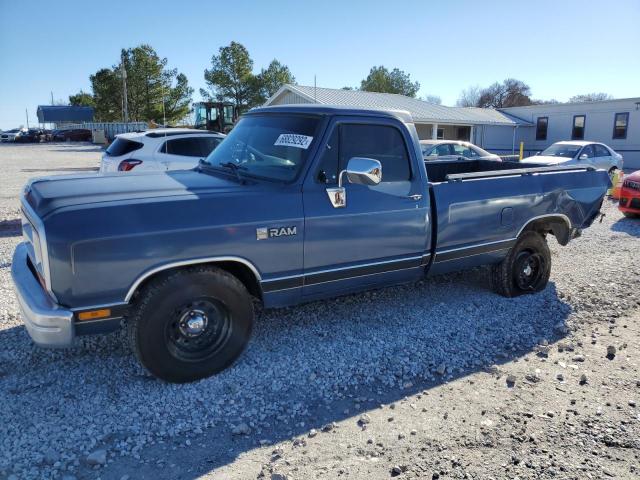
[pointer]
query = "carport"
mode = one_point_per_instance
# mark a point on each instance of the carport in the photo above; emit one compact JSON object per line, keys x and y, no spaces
{"x":60,"y":115}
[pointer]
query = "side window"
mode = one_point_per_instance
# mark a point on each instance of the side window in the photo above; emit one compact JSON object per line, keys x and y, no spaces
{"x":328,"y":171}
{"x":464,"y":151}
{"x":207,"y":144}
{"x":442,"y":150}
{"x":601,"y":151}
{"x":541,"y":128}
{"x":577,"y":132}
{"x":189,"y":147}
{"x":620,"y":124}
{"x":588,"y":151}
{"x":380,"y":142}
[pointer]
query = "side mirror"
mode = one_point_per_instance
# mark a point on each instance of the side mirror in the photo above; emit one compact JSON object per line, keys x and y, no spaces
{"x":537,"y":153}
{"x":360,"y":171}
{"x":584,"y":156}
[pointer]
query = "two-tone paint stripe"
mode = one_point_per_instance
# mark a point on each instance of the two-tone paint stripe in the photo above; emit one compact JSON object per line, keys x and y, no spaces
{"x":387,"y":266}
{"x":473,"y":250}
{"x":344,"y":273}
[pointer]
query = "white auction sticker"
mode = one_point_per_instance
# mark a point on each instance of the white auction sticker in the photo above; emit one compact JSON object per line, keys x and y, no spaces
{"x":293,"y":140}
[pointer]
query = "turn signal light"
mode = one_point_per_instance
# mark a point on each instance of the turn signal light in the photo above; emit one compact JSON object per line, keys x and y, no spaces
{"x":94,"y":314}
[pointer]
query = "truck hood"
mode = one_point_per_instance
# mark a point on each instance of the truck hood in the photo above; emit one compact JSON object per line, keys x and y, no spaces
{"x":51,"y":193}
{"x":545,"y":160}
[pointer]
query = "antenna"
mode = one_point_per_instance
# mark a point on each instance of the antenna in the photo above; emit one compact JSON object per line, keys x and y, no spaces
{"x":52,"y":97}
{"x":164,"y":115}
{"x":27,"y":112}
{"x":315,"y":88}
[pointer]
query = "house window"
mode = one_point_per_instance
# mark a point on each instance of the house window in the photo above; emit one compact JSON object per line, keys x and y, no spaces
{"x":620,"y":124}
{"x":440,"y":134}
{"x":541,"y":128}
{"x":578,"y":127}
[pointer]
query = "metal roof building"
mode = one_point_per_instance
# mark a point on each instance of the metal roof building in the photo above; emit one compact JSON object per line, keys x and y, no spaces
{"x":432,"y":121}
{"x":64,"y":114}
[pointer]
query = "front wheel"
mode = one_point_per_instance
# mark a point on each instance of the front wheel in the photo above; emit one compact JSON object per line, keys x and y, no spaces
{"x":631,"y":214}
{"x":525,"y":269}
{"x":191,"y":324}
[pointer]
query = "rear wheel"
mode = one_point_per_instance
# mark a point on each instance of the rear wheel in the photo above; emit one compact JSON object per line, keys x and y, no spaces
{"x":191,"y":324}
{"x":525,"y":269}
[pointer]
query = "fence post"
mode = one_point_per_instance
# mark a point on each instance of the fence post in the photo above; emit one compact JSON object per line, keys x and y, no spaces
{"x":521,"y":150}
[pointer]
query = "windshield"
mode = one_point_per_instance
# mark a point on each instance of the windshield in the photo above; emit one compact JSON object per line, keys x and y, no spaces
{"x":426,"y":147}
{"x":564,"y":150}
{"x":273,"y":146}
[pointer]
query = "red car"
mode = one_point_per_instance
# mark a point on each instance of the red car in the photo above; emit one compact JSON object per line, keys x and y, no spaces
{"x":630,"y":196}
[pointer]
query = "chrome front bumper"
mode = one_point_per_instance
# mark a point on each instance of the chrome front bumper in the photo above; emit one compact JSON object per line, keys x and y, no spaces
{"x":48,"y":324}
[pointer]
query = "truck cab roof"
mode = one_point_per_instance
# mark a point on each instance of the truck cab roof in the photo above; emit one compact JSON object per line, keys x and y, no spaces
{"x":315,"y":109}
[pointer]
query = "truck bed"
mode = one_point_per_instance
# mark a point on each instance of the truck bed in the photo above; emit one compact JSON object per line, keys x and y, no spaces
{"x":481,"y":206}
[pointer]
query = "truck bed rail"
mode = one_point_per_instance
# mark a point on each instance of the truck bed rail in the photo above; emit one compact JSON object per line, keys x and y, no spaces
{"x":459,"y":177}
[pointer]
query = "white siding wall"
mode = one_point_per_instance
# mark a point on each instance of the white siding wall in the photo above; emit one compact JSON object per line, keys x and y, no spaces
{"x":288,"y":98}
{"x":599,"y":117}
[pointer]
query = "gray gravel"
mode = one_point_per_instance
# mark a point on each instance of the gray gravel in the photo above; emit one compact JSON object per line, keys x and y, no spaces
{"x":69,"y":412}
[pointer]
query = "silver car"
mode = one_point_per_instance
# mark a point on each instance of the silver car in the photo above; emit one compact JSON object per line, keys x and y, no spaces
{"x":592,"y":154}
{"x":454,"y":150}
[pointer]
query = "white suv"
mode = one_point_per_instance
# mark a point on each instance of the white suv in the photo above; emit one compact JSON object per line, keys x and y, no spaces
{"x":159,"y":150}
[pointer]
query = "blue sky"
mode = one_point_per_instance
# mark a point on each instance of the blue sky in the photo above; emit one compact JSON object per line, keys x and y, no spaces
{"x":560,"y":48}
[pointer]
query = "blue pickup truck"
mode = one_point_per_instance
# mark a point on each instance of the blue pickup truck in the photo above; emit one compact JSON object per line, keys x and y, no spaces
{"x":298,"y":203}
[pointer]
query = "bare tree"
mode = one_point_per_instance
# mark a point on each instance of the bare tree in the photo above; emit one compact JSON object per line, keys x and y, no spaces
{"x":509,"y":93}
{"x":469,"y":97}
{"x":435,"y":99}
{"x":590,"y":97}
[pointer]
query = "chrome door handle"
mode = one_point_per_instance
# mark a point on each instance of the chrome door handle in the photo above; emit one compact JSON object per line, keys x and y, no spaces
{"x":415,"y":197}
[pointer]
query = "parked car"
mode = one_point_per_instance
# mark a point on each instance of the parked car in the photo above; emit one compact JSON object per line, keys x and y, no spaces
{"x":298,"y":203}
{"x":597,"y":155}
{"x":10,"y":135}
{"x":73,"y":135}
{"x":159,"y":149}
{"x":33,"y":135}
{"x":630,"y":195}
{"x":454,"y":150}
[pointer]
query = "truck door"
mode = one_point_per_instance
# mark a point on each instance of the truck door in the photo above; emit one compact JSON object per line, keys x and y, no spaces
{"x":382,"y":235}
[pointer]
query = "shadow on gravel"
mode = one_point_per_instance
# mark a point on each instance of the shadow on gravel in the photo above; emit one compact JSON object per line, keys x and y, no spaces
{"x":305,"y":368}
{"x":627,"y":225}
{"x":10,"y":228}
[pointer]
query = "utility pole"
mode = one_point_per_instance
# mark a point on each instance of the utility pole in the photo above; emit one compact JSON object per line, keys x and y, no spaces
{"x":125,"y":104}
{"x":52,"y":97}
{"x":26,"y":110}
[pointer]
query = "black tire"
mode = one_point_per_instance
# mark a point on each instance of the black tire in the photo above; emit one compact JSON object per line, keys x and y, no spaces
{"x":631,"y":214}
{"x":191,"y":323}
{"x":525,"y":269}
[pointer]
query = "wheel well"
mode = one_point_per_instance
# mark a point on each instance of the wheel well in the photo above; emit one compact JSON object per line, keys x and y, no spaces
{"x":555,"y":225}
{"x":239,"y":270}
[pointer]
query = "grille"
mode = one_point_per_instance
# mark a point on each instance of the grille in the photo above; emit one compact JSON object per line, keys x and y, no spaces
{"x":631,"y":184}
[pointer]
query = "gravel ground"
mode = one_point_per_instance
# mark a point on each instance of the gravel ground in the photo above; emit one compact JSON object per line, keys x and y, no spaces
{"x":438,"y":379}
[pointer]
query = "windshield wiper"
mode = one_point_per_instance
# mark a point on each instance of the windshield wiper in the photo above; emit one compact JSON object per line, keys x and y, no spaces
{"x":235,"y":168}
